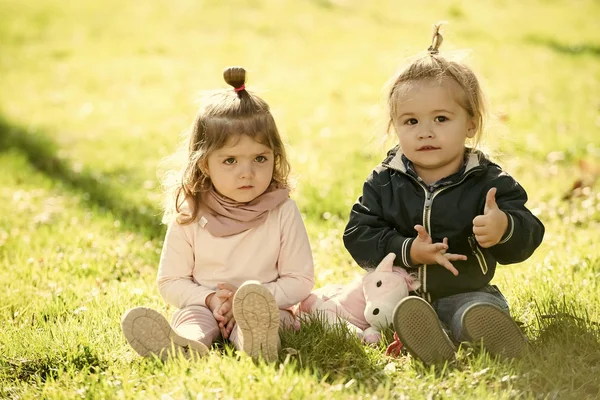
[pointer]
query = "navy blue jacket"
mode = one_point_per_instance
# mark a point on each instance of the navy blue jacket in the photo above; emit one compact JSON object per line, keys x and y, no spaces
{"x":394,"y":200}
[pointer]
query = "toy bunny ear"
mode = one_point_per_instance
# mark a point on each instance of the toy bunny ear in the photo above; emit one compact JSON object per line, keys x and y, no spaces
{"x":387,"y":263}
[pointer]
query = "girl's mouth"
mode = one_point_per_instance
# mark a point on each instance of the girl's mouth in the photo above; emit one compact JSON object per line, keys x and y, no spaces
{"x":427,"y":148}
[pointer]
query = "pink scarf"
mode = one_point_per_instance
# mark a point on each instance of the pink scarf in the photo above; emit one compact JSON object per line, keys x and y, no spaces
{"x":222,"y":216}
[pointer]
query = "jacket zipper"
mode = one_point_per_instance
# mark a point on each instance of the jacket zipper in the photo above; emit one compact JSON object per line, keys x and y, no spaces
{"x":429,"y":196}
{"x":478,"y":254}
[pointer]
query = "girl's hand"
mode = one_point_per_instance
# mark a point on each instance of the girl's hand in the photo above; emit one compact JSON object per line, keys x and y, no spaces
{"x":424,"y":251}
{"x":224,"y":314}
{"x":214,"y":301}
{"x":491,"y":226}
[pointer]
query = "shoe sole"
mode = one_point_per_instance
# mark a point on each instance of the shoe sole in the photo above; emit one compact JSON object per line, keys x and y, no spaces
{"x":148,"y":332}
{"x":488,"y":324}
{"x":257,"y":315}
{"x":421,"y":332}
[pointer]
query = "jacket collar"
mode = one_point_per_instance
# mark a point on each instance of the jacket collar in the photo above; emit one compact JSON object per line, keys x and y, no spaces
{"x":473,"y":158}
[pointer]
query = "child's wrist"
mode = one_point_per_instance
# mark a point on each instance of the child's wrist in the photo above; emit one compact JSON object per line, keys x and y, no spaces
{"x":413,"y":256}
{"x":208,"y":300}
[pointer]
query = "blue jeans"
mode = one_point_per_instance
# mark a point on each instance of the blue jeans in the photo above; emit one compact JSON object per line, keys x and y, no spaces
{"x":451,"y":309}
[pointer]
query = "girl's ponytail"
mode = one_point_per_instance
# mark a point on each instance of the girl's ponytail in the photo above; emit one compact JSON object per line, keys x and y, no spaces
{"x":236,"y":77}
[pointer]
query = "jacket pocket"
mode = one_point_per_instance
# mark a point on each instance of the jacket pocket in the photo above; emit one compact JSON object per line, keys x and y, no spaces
{"x":476,"y":250}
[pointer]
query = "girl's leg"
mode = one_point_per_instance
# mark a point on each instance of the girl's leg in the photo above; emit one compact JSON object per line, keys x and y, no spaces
{"x":286,"y":318}
{"x":196,"y":323}
{"x":257,"y":320}
{"x":148,"y":332}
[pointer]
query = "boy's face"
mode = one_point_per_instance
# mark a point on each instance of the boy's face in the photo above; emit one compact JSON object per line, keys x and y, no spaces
{"x":242,"y":169}
{"x":432,"y":127}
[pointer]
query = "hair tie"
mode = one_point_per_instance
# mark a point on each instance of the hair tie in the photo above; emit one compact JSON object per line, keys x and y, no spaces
{"x":433,"y":50}
{"x":437,"y":39}
{"x":237,"y":89}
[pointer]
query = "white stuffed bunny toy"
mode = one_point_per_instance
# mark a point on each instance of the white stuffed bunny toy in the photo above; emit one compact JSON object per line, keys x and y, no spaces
{"x":367,"y":304}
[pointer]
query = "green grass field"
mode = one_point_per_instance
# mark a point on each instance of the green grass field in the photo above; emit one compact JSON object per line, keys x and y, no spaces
{"x":96,"y":93}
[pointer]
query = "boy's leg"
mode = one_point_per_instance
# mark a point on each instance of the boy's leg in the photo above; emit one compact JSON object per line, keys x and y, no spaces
{"x":257,"y":317}
{"x":148,"y":332}
{"x":421,"y":332}
{"x":491,"y":323}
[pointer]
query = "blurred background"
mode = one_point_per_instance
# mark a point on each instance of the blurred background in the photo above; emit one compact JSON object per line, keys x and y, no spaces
{"x":95,"y":94}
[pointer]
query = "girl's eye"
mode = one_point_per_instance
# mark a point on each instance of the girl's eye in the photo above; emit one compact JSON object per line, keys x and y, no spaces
{"x":229,"y":161}
{"x":260,"y":159}
{"x":441,"y":118}
{"x":411,"y":121}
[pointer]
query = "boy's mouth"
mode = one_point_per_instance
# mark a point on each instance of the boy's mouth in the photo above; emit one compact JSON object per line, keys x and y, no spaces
{"x":427,"y":148}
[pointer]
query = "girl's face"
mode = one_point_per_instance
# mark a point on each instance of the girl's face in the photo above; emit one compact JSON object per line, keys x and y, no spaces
{"x":432,"y":128}
{"x":242,"y":169}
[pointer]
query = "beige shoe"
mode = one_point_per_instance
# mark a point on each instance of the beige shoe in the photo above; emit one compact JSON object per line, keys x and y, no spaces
{"x":495,"y":328}
{"x":148,"y":332}
{"x":257,"y":316}
{"x":420,"y":331}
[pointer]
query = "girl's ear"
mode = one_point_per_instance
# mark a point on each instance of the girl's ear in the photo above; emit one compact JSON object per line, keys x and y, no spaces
{"x":471,"y":128}
{"x":203,"y":166}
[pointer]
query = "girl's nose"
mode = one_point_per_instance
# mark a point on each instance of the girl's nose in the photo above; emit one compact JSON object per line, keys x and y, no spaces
{"x":246,"y":171}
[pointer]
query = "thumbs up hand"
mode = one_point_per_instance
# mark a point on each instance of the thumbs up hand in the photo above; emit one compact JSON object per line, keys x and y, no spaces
{"x":490,"y":227}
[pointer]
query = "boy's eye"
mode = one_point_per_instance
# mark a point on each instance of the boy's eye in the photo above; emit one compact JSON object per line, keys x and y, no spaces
{"x":229,"y":161}
{"x":411,"y":121}
{"x":260,"y":159}
{"x":441,"y":118}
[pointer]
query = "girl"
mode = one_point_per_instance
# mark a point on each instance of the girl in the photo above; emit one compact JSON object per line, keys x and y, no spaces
{"x":236,"y":256}
{"x":432,"y":202}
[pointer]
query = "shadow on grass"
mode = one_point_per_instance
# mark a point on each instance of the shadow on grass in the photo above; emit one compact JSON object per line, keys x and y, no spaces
{"x":41,"y":153}
{"x":47,"y":368}
{"x":565,"y":354}
{"x":572,"y":49}
{"x":333,"y":353}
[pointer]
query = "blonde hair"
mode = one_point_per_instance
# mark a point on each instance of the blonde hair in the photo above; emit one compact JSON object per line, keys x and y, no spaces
{"x":436,"y":67}
{"x":223,"y":116}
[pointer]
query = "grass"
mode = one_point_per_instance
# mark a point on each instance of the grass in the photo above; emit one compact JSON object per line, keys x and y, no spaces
{"x":96,"y":94}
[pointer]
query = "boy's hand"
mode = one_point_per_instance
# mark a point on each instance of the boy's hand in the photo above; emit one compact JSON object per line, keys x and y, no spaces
{"x":490,"y":227}
{"x":424,"y":251}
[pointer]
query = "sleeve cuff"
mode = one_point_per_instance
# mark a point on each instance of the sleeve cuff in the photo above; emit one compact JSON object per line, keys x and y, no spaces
{"x":401,"y":246}
{"x":509,"y":229}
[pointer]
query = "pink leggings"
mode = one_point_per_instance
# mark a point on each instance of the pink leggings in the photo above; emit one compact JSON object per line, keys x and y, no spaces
{"x":198,"y":323}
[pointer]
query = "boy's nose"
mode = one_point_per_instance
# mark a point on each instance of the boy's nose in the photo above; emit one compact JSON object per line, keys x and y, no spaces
{"x":426,"y":132}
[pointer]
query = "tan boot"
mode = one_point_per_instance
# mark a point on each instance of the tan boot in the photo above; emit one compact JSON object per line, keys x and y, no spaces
{"x":257,"y":316}
{"x":148,"y":332}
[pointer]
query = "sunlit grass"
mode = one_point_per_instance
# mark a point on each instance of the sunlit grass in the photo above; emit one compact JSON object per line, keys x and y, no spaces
{"x":95,"y":94}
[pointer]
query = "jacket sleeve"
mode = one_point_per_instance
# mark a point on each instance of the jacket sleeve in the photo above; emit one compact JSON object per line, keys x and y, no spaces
{"x":295,"y":264}
{"x":175,"y":282}
{"x":368,"y":237}
{"x":524,"y":232}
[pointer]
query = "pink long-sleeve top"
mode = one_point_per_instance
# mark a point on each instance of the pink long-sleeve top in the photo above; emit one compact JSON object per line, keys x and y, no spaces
{"x":276,"y":253}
